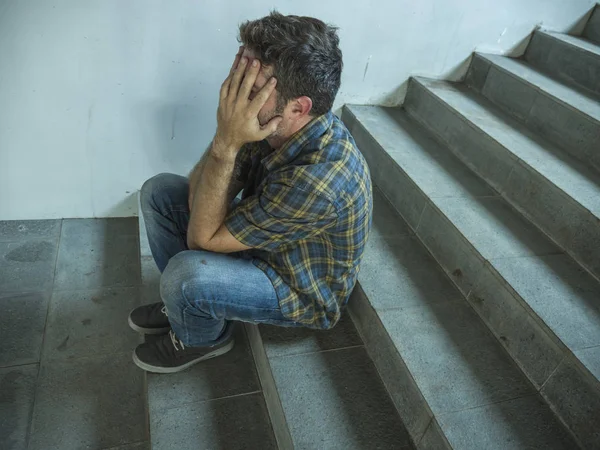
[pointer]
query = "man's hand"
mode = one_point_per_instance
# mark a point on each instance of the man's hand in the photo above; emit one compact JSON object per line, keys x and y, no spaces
{"x":237,"y":116}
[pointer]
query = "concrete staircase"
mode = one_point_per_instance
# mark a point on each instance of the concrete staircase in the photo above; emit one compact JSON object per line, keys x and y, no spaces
{"x":476,"y":323}
{"x":498,"y":177}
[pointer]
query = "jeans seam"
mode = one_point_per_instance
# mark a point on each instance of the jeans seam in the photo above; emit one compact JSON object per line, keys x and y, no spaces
{"x":234,"y":305}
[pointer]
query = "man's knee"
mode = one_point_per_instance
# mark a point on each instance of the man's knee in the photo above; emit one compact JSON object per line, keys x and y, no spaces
{"x":181,"y":269}
{"x":163,"y":187}
{"x":153,"y":186}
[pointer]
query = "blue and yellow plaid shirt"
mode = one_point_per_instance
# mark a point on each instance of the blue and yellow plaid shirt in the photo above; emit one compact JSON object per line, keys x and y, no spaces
{"x":306,"y":210}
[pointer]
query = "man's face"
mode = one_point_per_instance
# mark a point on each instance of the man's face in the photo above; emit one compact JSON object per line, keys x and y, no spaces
{"x":269,"y":110}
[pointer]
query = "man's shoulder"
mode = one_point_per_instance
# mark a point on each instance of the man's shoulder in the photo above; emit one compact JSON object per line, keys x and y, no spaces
{"x":335,"y":144}
{"x":326,"y":164}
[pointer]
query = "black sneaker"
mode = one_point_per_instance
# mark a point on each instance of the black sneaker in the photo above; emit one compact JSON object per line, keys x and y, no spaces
{"x":150,"y":319}
{"x":167,"y":354}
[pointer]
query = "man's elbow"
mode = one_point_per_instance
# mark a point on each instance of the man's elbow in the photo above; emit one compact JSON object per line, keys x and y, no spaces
{"x":197,"y":242}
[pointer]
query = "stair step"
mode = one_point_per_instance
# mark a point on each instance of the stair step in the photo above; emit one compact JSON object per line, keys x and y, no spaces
{"x":196,"y":408}
{"x":539,"y":303}
{"x":568,"y":58}
{"x":144,"y":244}
{"x":323,"y":390}
{"x":554,"y":110}
{"x":592,"y":29}
{"x":557,"y":192}
{"x":451,"y":380}
{"x":231,"y":423}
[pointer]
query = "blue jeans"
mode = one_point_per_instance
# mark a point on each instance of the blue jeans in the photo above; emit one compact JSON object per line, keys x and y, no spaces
{"x":201,"y":290}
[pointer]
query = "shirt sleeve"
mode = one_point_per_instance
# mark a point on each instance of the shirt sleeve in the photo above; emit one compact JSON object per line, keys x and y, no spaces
{"x":278,"y":215}
{"x":243,"y":163}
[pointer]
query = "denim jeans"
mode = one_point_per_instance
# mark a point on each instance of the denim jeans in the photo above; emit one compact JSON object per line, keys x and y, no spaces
{"x":201,"y":290}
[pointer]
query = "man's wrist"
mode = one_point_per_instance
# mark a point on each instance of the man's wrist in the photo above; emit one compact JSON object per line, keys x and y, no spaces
{"x":223,"y":150}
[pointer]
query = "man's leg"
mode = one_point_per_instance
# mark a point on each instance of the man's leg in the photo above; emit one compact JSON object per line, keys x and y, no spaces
{"x":164,"y":203}
{"x":203,"y":291}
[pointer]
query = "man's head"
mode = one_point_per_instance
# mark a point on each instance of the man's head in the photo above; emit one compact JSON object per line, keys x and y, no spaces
{"x":303,"y":54}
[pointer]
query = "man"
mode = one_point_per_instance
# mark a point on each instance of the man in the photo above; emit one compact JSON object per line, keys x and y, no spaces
{"x":288,"y":253}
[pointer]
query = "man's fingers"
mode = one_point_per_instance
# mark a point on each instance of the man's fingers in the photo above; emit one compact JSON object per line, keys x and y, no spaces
{"x":271,"y":127}
{"x":236,"y":79}
{"x":227,"y":82}
{"x":263,"y":95}
{"x":249,"y":80}
{"x":225,"y":88}
{"x":236,"y":61}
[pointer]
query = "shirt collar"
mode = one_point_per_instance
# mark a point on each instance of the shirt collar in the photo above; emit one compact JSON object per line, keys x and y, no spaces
{"x":294,"y":145}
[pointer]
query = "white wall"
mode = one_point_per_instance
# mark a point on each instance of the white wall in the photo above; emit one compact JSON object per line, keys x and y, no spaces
{"x":98,"y":95}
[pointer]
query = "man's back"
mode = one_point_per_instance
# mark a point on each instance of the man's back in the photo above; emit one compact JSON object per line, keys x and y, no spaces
{"x":306,"y":210}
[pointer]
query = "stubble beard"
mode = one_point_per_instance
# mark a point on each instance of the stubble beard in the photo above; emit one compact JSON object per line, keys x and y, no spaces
{"x":266,"y":117}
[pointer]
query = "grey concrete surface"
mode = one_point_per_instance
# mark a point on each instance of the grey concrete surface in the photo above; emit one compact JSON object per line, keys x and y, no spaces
{"x":233,"y":423}
{"x":17,"y":392}
{"x":573,"y":394}
{"x":66,"y":375}
{"x":539,"y":173}
{"x":22,"y":324}
{"x":88,"y":402}
{"x":552,"y":109}
{"x":97,"y":253}
{"x":592,"y":29}
{"x":484,"y":245}
{"x":229,"y":375}
{"x":512,"y":425}
{"x":335,"y":400}
{"x":571,"y":59}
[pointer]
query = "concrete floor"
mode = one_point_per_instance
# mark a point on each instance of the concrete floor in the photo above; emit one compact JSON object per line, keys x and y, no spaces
{"x":67,"y":380}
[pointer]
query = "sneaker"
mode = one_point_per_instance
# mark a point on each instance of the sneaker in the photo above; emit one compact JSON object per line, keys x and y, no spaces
{"x":167,"y":354}
{"x":150,"y":319}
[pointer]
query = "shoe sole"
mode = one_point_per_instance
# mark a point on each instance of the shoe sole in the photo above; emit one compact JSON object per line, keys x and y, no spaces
{"x":143,"y":330}
{"x":155,"y":369}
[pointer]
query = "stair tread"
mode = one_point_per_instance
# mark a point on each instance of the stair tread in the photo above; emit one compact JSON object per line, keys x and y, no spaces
{"x":407,"y":270}
{"x":591,"y":359}
{"x":436,"y":335}
{"x":566,"y":172}
{"x":503,"y":237}
{"x":443,"y":335}
{"x":212,"y":399}
{"x":543,"y":82}
{"x":528,"y":413}
{"x":422,"y":157}
{"x":583,"y":44}
{"x":328,"y":385}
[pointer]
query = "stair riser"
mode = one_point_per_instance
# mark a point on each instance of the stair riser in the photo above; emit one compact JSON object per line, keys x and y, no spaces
{"x":391,"y":179}
{"x":529,"y":342}
{"x":401,"y":386}
{"x":276,"y":414}
{"x":565,"y":61}
{"x":569,"y":224}
{"x":592,"y":29}
{"x":459,"y":259}
{"x":575,"y":397}
{"x":573,"y":130}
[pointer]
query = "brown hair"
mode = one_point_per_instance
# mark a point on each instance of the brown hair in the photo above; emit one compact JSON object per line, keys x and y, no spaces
{"x":304,"y":54}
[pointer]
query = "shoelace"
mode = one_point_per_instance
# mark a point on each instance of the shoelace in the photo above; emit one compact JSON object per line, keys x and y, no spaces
{"x":164,"y":310}
{"x":176,"y":341}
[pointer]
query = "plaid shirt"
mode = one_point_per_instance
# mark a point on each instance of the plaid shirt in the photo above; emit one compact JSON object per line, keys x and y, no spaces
{"x":306,"y":210}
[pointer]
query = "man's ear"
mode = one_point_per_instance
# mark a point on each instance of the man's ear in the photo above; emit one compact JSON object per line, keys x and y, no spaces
{"x":302,"y":106}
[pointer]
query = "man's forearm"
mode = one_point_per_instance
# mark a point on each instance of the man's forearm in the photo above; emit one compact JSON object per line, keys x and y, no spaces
{"x":195,"y":175}
{"x":211,"y":196}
